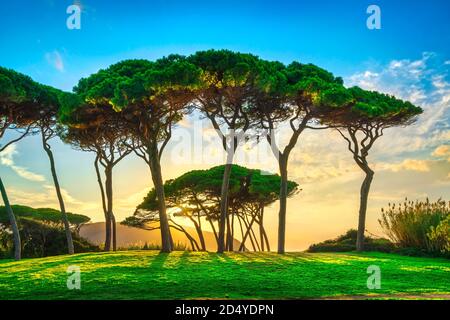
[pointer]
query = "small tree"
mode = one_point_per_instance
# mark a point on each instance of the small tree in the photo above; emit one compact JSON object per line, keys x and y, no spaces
{"x":151,"y":97}
{"x":361,"y":124}
{"x":227,"y":92}
{"x":195,"y":195}
{"x":42,"y":231}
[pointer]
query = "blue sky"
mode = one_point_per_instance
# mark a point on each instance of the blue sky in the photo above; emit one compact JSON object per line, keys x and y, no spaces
{"x":409,"y":57}
{"x":332,"y":34}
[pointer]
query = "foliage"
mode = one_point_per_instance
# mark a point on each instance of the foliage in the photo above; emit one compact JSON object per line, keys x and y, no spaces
{"x":138,"y":82}
{"x":347,"y":242}
{"x":42,"y":232}
{"x":24,"y":101}
{"x":440,"y":236}
{"x":422,"y":225}
{"x":375,"y":105}
{"x":46,"y":215}
{"x":39,"y":239}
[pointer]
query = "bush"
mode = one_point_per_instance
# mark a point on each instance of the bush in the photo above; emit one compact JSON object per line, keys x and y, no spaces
{"x":41,"y":240}
{"x":422,"y":227}
{"x":47,"y":215}
{"x":440,"y":236}
{"x":347,"y":242}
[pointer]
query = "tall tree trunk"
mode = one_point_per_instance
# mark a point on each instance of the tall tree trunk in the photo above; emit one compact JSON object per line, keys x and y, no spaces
{"x":114,"y":231}
{"x":364,"y":195}
{"x":224,"y":205}
{"x":283,"y":205}
{"x":107,"y":233}
{"x":155,"y":168}
{"x":261,"y":227}
{"x":110,"y":227}
{"x":105,"y":210}
{"x":62,"y":207}
{"x":231,"y":237}
{"x":12,"y":221}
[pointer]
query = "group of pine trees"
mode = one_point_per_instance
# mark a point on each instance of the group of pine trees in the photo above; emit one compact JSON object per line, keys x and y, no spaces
{"x":132,"y":107}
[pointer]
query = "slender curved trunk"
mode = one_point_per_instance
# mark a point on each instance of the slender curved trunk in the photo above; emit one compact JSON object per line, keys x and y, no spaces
{"x":13,"y":222}
{"x":62,"y":207}
{"x":214,"y":230}
{"x":155,"y":168}
{"x":194,"y":244}
{"x":247,"y":234}
{"x":224,"y":205}
{"x":283,"y":205}
{"x":199,"y":230}
{"x":202,"y":239}
{"x":267,"y":239}
{"x":242,"y":246}
{"x":364,"y":195}
{"x":253,"y":235}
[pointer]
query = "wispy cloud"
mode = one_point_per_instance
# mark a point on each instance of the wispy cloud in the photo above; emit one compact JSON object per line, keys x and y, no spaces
{"x":55,"y":59}
{"x":425,"y":82}
{"x":7,"y":159}
{"x":407,"y":164}
{"x":441,"y":151}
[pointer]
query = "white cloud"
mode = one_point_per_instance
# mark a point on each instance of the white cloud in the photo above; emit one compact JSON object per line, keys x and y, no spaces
{"x":55,"y":59}
{"x":424,"y":82}
{"x":7,"y":159}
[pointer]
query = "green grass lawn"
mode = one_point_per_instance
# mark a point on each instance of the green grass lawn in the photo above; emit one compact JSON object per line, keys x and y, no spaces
{"x":197,"y":275}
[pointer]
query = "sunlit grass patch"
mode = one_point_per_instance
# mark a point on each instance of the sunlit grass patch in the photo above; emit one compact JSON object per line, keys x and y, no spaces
{"x":192,"y":275}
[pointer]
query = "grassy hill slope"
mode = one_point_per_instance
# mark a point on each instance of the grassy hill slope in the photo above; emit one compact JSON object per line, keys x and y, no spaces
{"x":193,"y":275}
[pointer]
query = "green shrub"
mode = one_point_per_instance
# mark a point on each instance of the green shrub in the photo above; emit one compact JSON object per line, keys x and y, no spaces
{"x":347,"y":242}
{"x":46,"y":215}
{"x":40,"y":239}
{"x":440,"y":236}
{"x":418,"y":226}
